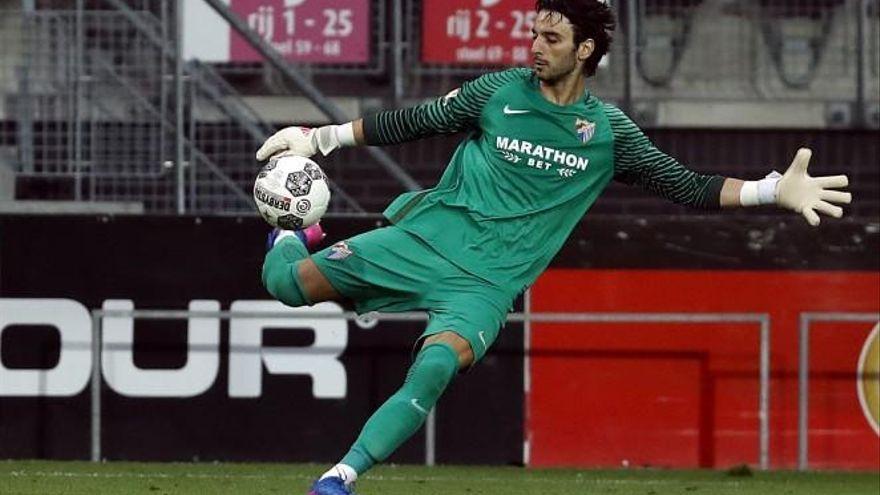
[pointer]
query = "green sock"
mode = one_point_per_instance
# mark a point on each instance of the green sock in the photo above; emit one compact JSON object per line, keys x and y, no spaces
{"x":405,"y":411}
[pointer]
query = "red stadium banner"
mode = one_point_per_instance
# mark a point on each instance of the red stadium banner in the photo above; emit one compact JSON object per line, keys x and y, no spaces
{"x":321,"y":31}
{"x":686,"y":395}
{"x":477,"y":31}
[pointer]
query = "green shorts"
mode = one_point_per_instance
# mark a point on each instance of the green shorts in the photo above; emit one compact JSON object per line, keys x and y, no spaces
{"x":391,"y":270}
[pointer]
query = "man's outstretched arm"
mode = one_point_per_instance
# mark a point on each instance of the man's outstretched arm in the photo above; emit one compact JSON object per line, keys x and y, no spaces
{"x":459,"y":110}
{"x":795,"y":190}
{"x":637,"y":161}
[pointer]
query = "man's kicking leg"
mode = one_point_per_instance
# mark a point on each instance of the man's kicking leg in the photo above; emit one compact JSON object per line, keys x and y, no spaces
{"x":439,"y":359}
{"x":292,"y":277}
{"x":288,"y":272}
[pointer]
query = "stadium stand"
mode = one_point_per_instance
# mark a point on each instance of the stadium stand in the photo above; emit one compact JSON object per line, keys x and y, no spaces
{"x":663,"y":28}
{"x":89,"y":104}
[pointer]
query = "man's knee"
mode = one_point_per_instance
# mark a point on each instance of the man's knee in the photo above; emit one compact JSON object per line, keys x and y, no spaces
{"x":296,"y":282}
{"x":457,"y":343}
{"x":278,"y":279}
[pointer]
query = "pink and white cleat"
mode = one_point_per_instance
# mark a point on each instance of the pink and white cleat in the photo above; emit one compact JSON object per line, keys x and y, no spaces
{"x":310,"y":236}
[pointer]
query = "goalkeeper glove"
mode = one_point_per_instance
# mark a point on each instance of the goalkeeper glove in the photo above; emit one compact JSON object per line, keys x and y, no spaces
{"x":304,"y":141}
{"x":797,"y":191}
{"x":806,"y":195}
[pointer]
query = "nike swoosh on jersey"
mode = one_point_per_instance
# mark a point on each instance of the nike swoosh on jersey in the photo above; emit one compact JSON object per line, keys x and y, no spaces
{"x":510,"y":111}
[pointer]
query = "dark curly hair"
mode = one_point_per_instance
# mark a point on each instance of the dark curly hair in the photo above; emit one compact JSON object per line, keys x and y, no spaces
{"x":591,"y":19}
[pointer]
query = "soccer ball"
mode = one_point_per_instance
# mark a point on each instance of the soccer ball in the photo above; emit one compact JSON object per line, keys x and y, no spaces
{"x":291,"y":192}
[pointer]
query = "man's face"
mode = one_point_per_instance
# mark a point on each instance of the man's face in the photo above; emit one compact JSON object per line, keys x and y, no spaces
{"x":553,"y":50}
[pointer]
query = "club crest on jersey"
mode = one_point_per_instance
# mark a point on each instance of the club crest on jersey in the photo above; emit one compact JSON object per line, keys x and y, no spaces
{"x":339,"y":251}
{"x":585,"y":129}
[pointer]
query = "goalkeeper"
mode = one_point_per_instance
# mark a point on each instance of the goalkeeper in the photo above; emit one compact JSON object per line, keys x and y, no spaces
{"x":538,"y":152}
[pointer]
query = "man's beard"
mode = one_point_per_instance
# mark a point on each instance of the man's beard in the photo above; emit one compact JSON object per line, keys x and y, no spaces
{"x":552,"y":78}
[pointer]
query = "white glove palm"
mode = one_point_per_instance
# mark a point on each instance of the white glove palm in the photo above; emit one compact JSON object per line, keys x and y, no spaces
{"x":806,"y":195}
{"x":300,"y":141}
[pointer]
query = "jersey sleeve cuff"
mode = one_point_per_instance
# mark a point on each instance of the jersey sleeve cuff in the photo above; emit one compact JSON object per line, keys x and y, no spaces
{"x":712,"y":198}
{"x":371,"y":130}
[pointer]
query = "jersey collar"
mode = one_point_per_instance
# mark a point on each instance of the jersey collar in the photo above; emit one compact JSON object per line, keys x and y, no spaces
{"x":539,"y":99}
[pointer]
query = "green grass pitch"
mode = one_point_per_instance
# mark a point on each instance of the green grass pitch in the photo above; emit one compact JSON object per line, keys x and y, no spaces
{"x":75,"y":478}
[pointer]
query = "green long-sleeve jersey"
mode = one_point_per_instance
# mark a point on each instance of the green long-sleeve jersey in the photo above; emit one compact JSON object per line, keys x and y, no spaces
{"x":525,"y":174}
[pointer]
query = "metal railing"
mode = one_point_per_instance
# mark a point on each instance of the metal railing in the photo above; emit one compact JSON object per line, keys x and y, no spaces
{"x":762,"y":320}
{"x":527,"y":318}
{"x":804,"y":372}
{"x":113,"y":114}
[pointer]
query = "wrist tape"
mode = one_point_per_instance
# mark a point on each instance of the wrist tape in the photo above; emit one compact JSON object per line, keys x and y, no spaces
{"x":759,"y":192}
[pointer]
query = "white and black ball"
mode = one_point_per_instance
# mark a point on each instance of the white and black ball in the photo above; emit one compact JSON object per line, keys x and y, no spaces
{"x":291,"y":192}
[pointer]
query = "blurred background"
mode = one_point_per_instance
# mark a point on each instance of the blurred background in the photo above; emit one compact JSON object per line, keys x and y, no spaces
{"x":127,"y":138}
{"x":103,"y":104}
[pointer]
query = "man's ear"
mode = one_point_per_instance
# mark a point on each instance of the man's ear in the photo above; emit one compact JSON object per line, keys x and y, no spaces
{"x":585,"y":49}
